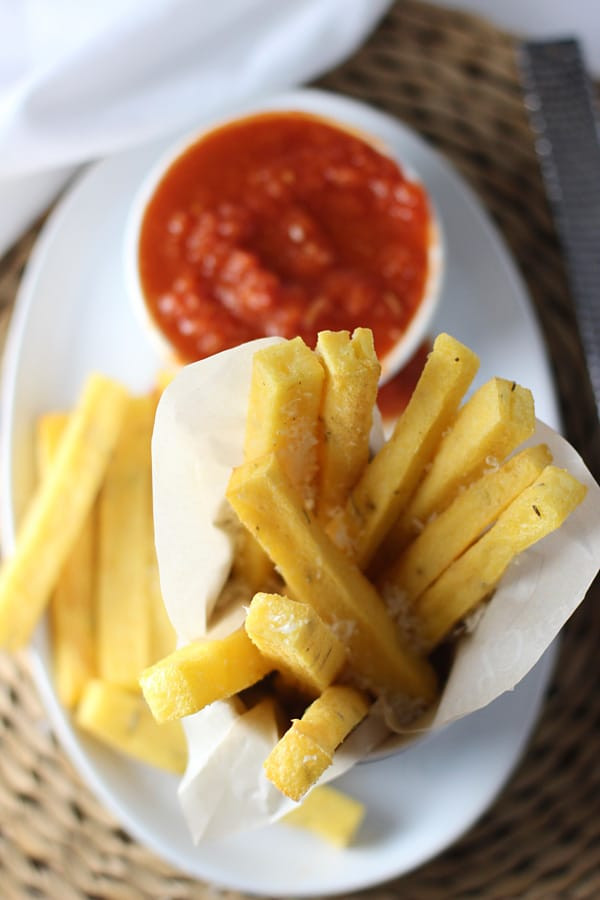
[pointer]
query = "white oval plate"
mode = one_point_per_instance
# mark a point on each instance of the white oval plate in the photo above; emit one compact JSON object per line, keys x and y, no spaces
{"x":73,"y":316}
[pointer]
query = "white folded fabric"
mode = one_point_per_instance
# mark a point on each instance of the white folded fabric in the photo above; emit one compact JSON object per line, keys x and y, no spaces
{"x":79,"y":81}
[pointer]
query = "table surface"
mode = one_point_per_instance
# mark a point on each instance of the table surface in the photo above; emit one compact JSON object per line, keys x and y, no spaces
{"x":452,"y":77}
{"x":543,"y":19}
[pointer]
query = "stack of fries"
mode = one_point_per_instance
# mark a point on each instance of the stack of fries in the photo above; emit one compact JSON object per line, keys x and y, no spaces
{"x":87,"y":547}
{"x":355,"y":567}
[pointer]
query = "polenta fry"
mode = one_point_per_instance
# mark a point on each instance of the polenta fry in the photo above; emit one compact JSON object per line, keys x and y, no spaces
{"x":296,"y":639}
{"x":201,"y":672}
{"x":59,"y":508}
{"x":306,"y":750}
{"x":328,"y":813}
{"x":283,"y":411}
{"x":72,"y":605}
{"x":283,"y":417}
{"x":120,"y":718}
{"x":349,"y":394}
{"x":123,"y":605}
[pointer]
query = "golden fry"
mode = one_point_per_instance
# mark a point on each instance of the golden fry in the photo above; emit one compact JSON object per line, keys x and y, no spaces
{"x":306,"y":750}
{"x":283,"y":411}
{"x":198,"y":674}
{"x":252,"y":566}
{"x":283,"y":416}
{"x":330,"y":814}
{"x":59,"y":508}
{"x":296,"y":639}
{"x":121,"y":719}
{"x":538,"y":510}
{"x":72,"y":606}
{"x":349,"y":394}
{"x":125,"y":511}
{"x":392,"y":475}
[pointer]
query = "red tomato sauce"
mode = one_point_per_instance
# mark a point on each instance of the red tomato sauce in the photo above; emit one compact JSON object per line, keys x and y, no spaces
{"x":393,"y":396}
{"x":282,"y":224}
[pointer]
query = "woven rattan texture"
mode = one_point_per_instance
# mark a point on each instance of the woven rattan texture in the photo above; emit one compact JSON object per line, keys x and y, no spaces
{"x":453,"y":78}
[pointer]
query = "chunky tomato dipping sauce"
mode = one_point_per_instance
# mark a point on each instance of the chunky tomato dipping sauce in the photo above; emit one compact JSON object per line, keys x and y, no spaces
{"x":393,"y":396}
{"x":282,"y":224}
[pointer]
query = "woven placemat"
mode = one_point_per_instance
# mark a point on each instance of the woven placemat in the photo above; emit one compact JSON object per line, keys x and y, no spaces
{"x":453,"y":78}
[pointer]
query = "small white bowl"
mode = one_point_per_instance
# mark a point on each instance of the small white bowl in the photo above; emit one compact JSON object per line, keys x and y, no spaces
{"x":311,"y":103}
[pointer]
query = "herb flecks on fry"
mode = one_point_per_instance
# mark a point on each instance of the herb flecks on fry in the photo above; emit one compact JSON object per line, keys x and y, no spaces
{"x":297,"y":640}
{"x":537,"y":511}
{"x":453,"y":531}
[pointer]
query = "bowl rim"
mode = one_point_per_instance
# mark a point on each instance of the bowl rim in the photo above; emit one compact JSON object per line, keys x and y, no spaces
{"x":306,"y":103}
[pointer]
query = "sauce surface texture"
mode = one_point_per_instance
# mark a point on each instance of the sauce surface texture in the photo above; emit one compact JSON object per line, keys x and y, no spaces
{"x":282,"y":224}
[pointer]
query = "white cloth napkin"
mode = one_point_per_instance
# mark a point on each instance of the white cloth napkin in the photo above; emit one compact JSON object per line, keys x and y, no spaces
{"x":79,"y":81}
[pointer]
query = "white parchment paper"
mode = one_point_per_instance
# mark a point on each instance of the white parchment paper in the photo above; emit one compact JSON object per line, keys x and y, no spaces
{"x":198,"y":438}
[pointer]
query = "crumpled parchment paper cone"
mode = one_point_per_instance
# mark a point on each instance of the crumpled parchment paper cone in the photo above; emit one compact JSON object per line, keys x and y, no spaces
{"x":224,"y":787}
{"x":198,"y":438}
